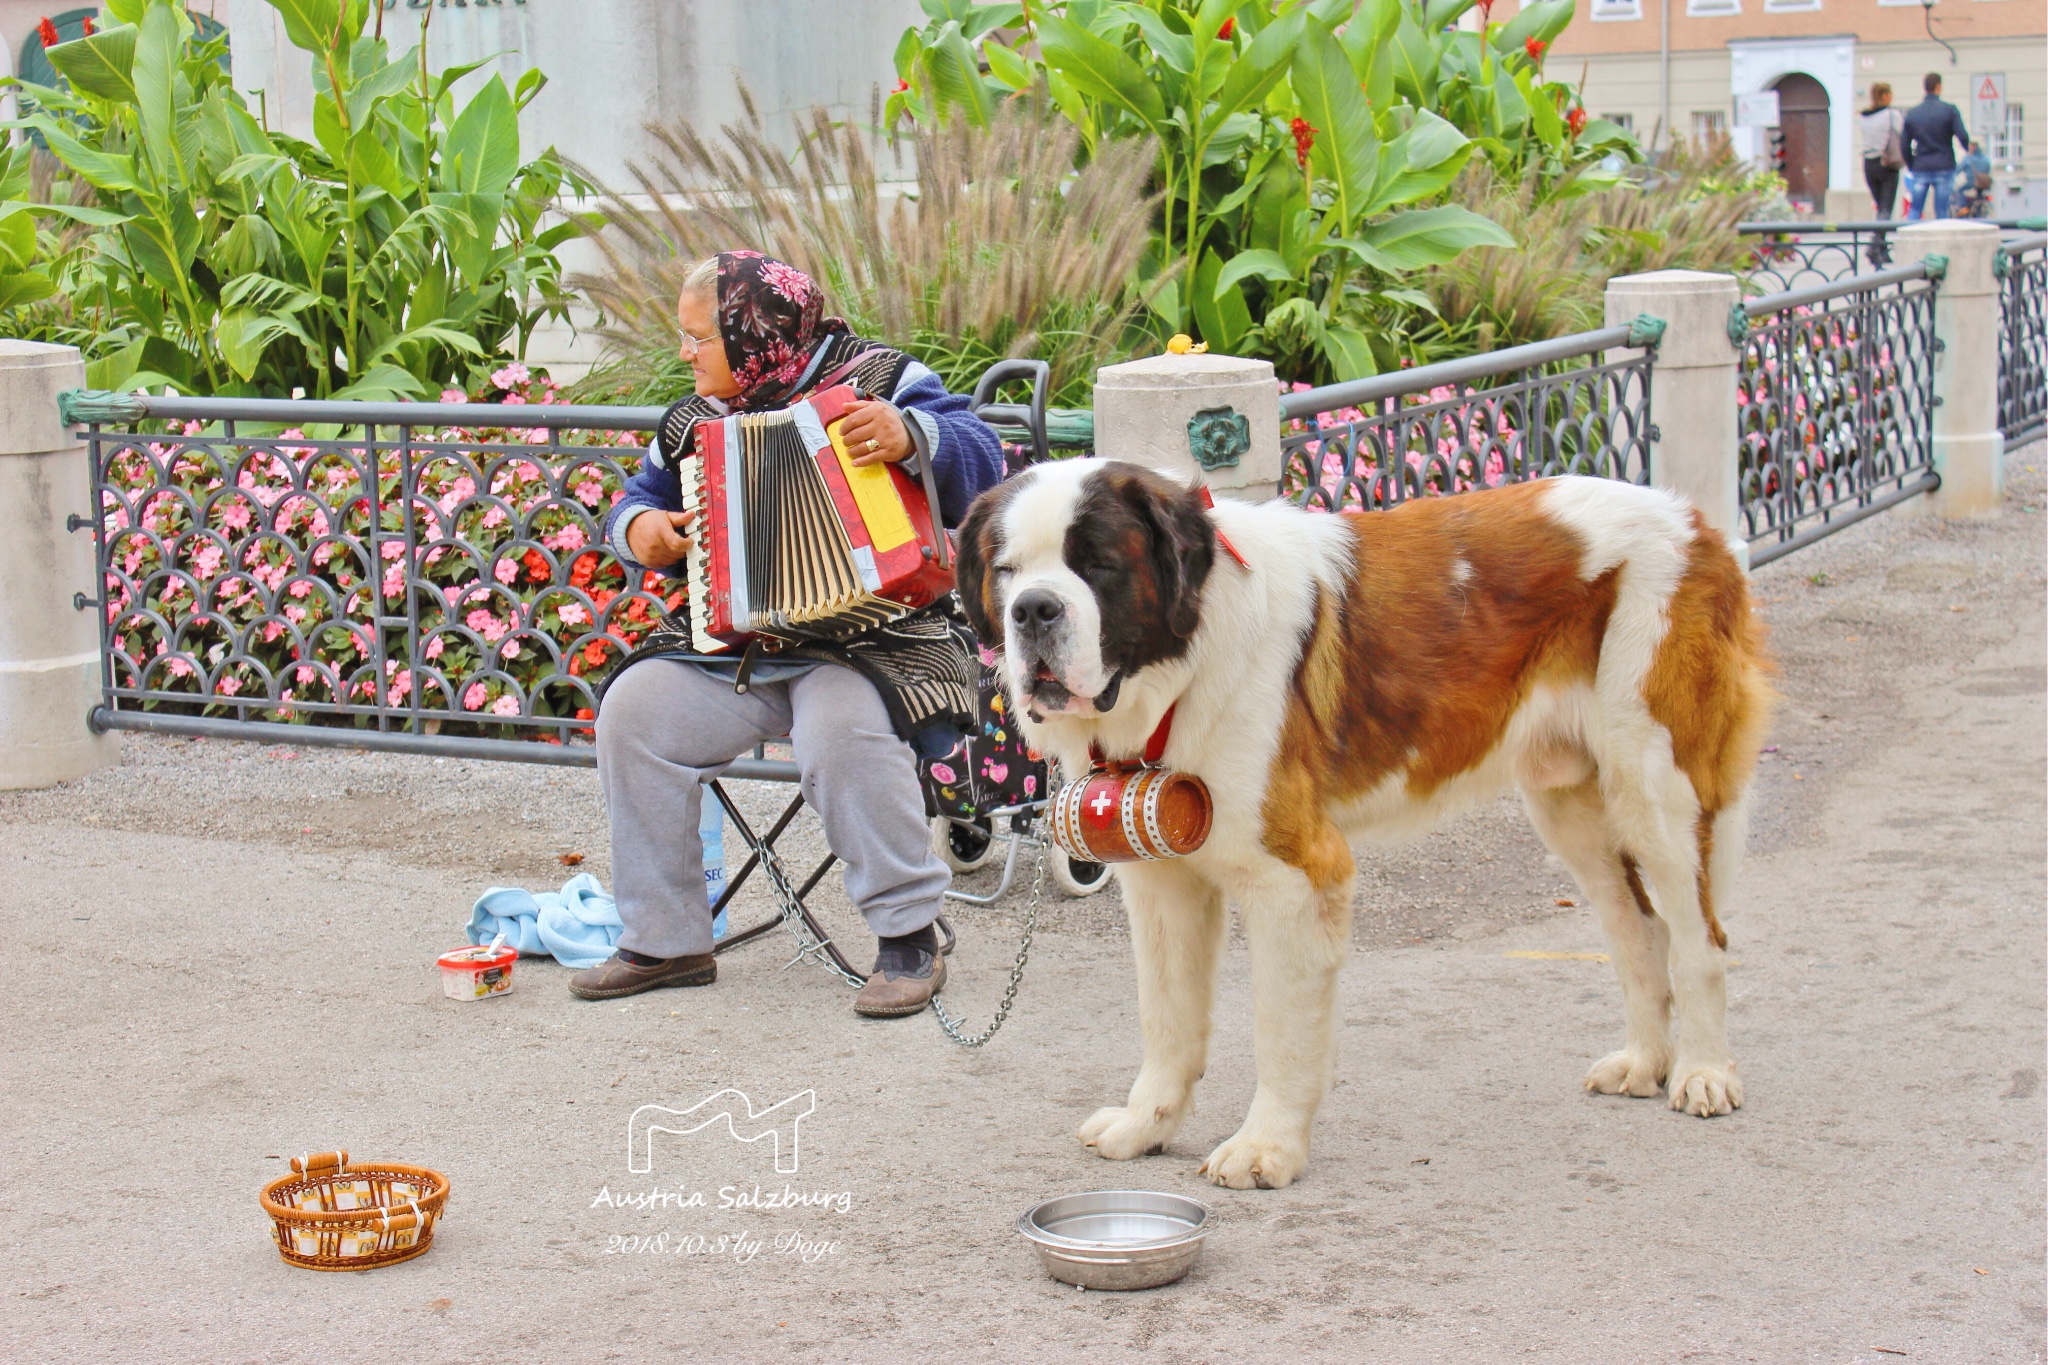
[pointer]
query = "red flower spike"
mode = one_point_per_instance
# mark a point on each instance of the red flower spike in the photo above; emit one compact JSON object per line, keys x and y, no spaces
{"x":900,"y":87}
{"x":1304,"y":140}
{"x":89,"y":30}
{"x":1534,"y":47}
{"x":1576,"y":120}
{"x":47,"y":31}
{"x":1229,"y":28}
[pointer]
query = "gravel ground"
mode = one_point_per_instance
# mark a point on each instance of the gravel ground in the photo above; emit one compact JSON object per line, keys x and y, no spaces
{"x":222,"y":952}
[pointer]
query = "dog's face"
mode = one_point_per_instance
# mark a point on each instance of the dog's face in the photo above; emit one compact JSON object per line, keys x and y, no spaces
{"x":1082,"y":573}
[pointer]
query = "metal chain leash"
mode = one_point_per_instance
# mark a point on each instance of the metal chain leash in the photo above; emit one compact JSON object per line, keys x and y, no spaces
{"x":809,"y":948}
{"x":956,"y":1028}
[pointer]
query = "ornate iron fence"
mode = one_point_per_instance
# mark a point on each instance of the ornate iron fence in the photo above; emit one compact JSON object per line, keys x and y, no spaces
{"x":1836,"y":395}
{"x":2023,"y":337}
{"x":427,"y":577}
{"x":1801,"y":255}
{"x":1568,"y":406}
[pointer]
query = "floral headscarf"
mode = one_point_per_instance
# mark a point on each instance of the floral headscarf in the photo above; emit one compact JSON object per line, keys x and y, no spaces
{"x":771,"y":318}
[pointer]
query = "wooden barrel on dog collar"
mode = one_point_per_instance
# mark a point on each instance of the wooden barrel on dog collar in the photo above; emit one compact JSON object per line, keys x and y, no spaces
{"x":1118,"y":815}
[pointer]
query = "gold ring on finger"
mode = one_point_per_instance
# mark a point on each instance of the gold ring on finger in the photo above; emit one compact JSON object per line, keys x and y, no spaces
{"x":873,"y":445}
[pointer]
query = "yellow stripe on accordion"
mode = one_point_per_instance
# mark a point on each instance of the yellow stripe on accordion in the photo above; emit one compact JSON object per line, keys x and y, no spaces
{"x":881,"y":507}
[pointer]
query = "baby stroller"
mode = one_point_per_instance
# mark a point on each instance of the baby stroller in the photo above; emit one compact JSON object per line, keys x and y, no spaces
{"x":988,"y":795}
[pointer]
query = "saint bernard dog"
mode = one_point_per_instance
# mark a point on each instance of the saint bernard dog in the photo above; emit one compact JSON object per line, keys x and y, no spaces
{"x":1361,"y":677}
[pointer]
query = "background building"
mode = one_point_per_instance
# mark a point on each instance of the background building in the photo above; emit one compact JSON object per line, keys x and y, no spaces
{"x":1690,"y":66}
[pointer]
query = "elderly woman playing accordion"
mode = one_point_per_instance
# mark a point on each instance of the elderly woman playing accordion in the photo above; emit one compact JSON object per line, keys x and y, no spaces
{"x":855,"y":712}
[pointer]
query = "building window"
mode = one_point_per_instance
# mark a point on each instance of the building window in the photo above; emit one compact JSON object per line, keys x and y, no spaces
{"x":1711,"y":9}
{"x":2007,"y":145}
{"x":1606,"y":10}
{"x":1789,"y":6}
{"x":1709,"y":124}
{"x":1914,"y":3}
{"x":1626,"y":122}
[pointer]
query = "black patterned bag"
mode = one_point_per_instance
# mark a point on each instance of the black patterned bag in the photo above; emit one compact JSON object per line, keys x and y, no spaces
{"x":990,"y":767}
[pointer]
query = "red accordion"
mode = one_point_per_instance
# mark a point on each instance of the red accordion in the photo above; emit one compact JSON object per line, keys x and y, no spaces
{"x":794,"y":541}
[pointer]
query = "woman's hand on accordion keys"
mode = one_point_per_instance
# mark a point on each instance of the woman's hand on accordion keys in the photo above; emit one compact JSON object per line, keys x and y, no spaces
{"x":656,"y":537}
{"x":873,"y":432}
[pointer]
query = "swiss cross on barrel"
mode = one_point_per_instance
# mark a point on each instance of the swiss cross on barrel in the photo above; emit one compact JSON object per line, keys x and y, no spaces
{"x":1122,"y":812}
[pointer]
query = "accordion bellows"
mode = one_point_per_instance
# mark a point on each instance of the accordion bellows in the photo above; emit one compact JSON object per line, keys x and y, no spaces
{"x":796,"y":542}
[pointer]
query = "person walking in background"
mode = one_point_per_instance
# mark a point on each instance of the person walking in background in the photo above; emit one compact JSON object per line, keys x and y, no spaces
{"x":1884,"y":147}
{"x":1934,"y":129}
{"x":1973,"y":184}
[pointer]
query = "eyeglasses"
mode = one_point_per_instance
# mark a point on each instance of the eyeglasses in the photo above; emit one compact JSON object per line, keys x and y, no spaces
{"x":697,"y":343}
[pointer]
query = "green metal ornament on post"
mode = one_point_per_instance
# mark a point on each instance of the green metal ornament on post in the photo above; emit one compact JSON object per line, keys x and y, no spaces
{"x":1219,"y":437}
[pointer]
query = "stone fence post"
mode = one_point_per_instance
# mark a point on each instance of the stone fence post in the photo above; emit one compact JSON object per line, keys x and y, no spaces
{"x":49,"y":649}
{"x":1692,"y":389}
{"x":1214,"y":417}
{"x":1969,"y":449}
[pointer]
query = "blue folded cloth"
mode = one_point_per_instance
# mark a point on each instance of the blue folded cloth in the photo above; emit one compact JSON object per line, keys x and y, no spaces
{"x":578,"y":925}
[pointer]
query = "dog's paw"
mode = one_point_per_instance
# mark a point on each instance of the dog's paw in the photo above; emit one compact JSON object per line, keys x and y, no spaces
{"x":1247,"y":1162}
{"x":1120,"y":1134}
{"x":1705,"y":1090}
{"x":1627,"y":1072}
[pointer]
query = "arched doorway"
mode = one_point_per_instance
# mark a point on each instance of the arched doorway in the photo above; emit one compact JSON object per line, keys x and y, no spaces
{"x":1803,"y":139}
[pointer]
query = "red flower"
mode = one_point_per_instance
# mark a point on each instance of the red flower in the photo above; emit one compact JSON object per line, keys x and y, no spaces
{"x":581,"y":572}
{"x":1304,"y":140}
{"x":47,"y":31}
{"x":585,"y":713}
{"x":593,"y":653}
{"x":899,"y":87}
{"x":1534,"y":47}
{"x":1229,"y":27}
{"x":88,"y":26}
{"x":1576,"y":120}
{"x":536,"y":566}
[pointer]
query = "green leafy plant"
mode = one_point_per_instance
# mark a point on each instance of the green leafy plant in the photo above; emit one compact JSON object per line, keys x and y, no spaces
{"x":401,"y":247}
{"x":1303,"y":149}
{"x":1003,"y":249}
{"x":1679,"y":213}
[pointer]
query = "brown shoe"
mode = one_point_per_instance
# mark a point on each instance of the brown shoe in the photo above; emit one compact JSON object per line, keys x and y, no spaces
{"x":615,"y":976}
{"x":891,"y":994}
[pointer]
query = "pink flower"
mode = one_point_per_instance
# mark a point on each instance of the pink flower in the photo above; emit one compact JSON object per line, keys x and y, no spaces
{"x":300,"y":587}
{"x":435,"y":647}
{"x":486,"y":625}
{"x":511,"y":649}
{"x":303,"y":675}
{"x":227,"y":687}
{"x":570,"y":538}
{"x":179,"y":668}
{"x":590,"y":492}
{"x":474,"y":697}
{"x":454,"y":396}
{"x":392,"y":549}
{"x":294,"y":614}
{"x":494,"y":517}
{"x":505,"y":706}
{"x":573,"y":614}
{"x":505,"y":570}
{"x":235,"y":516}
{"x":206,"y":563}
{"x":401,"y":687}
{"x":511,"y":376}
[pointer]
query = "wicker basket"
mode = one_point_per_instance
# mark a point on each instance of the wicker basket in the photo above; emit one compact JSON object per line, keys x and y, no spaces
{"x":329,"y":1215}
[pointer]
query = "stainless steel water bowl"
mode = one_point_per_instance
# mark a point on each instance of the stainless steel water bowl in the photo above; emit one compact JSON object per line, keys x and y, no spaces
{"x":1117,"y":1239}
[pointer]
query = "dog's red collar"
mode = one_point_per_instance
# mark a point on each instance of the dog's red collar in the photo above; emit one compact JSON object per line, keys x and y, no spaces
{"x":1209,"y":501}
{"x":1155,"y":747}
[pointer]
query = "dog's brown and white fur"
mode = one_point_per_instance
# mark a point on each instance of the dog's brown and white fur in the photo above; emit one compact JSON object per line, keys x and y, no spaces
{"x":1362,"y":677}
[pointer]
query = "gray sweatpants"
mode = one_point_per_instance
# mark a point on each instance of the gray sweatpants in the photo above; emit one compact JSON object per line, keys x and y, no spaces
{"x":668,"y":726}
